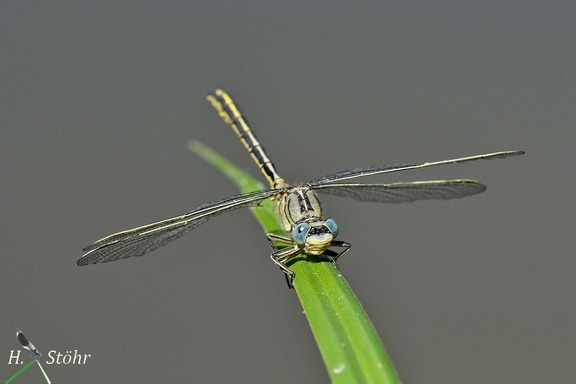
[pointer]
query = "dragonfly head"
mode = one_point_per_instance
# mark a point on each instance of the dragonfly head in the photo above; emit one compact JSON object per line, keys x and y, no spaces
{"x":314,"y":236}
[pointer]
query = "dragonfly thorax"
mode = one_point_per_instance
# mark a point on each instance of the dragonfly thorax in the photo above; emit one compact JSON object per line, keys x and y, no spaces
{"x":296,"y":204}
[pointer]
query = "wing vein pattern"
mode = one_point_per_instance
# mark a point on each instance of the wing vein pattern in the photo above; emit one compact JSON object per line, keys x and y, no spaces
{"x":378,"y":169}
{"x":141,"y":240}
{"x":404,"y":192}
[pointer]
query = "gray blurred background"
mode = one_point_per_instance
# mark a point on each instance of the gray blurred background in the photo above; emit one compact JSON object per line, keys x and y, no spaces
{"x":99,"y":101}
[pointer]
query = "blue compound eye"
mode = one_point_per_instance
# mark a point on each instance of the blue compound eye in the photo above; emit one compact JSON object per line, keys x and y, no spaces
{"x":300,"y":232}
{"x":332,"y":227}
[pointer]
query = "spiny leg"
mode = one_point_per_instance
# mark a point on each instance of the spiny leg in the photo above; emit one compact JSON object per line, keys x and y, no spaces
{"x":334,"y":256}
{"x":280,"y":257}
{"x":272,"y":237}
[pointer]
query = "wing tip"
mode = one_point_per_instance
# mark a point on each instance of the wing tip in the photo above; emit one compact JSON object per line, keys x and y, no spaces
{"x":504,"y":154}
{"x":81,"y":262}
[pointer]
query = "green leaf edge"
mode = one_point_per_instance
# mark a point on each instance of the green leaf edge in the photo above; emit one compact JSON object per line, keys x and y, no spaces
{"x":350,"y":346}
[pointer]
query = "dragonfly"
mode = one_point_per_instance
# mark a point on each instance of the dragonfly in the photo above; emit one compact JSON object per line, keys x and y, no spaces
{"x":24,"y":342}
{"x":298,"y":208}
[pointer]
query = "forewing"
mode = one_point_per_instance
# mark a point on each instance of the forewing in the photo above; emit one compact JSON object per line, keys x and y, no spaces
{"x":375,"y":170}
{"x":138,"y":241}
{"x":404,"y":192}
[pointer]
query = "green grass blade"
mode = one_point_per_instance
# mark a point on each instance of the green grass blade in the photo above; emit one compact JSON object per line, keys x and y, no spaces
{"x":20,"y":371}
{"x":44,"y":373}
{"x":348,"y":342}
{"x":244,"y":182}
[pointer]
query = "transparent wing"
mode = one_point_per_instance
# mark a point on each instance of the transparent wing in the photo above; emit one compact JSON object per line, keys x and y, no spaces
{"x":138,"y":241}
{"x":375,"y":170}
{"x":404,"y":192}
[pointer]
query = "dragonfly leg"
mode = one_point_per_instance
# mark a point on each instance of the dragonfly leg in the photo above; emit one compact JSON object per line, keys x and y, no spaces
{"x":334,"y":256}
{"x":331,"y":256}
{"x":280,"y":257}
{"x":272,"y":237}
{"x":289,"y":281}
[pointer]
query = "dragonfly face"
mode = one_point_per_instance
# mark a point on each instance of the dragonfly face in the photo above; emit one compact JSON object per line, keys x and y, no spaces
{"x":313,"y":236}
